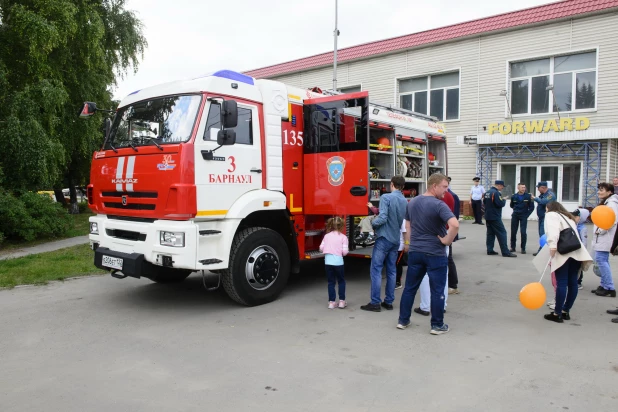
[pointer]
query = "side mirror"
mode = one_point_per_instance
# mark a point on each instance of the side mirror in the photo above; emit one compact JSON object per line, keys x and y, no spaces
{"x":229,"y":114}
{"x":226,"y":137}
{"x":88,"y":110}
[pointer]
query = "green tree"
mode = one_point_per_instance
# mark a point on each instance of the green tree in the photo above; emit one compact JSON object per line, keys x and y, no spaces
{"x":54,"y":55}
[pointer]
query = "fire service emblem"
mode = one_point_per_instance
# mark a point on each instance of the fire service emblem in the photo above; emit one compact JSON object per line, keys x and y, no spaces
{"x":335,"y":166}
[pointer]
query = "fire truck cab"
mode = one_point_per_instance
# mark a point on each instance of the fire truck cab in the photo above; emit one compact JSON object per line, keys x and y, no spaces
{"x":229,"y":175}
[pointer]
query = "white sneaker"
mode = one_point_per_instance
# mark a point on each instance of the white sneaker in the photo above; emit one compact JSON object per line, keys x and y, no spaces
{"x":342,"y":304}
{"x":332,"y":305}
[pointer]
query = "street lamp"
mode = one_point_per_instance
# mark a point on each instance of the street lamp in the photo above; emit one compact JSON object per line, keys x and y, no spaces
{"x":506,"y":94}
{"x":550,"y":88}
{"x":336,"y":34}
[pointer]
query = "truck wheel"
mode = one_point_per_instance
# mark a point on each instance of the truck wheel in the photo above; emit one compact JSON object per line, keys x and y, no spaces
{"x":166,"y":275}
{"x":259,"y":267}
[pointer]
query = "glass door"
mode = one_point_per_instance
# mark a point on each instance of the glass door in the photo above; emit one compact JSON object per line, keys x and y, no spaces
{"x":527,"y":175}
{"x":531,"y":175}
{"x":552,"y":175}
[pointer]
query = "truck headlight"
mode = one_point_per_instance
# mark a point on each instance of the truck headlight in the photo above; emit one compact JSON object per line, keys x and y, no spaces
{"x":175,"y":239}
{"x":94,"y":228}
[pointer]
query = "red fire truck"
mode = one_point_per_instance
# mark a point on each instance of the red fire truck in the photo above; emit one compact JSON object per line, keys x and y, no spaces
{"x":235,"y":176}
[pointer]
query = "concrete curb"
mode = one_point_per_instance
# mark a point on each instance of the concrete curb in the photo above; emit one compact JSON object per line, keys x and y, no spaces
{"x":45,"y":247}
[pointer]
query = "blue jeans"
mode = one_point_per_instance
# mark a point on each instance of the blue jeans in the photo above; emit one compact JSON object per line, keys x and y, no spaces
{"x":566,"y":285}
{"x":602,"y":259}
{"x":334,"y":274}
{"x":495,"y":229}
{"x":384,"y":254}
{"x":436,"y":268}
{"x":516,"y":222}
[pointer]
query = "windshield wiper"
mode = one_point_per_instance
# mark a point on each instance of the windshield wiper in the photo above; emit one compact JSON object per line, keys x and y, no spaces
{"x":133,"y":146}
{"x":152,"y":139}
{"x":113,"y":148}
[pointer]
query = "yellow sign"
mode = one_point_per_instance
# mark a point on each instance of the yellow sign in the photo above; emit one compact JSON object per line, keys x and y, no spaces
{"x":540,"y":126}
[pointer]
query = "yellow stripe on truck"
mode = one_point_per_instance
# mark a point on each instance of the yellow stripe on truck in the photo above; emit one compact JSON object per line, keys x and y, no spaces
{"x":211,"y":212}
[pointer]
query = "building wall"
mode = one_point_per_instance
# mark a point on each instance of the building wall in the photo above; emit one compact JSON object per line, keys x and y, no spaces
{"x":482,"y":62}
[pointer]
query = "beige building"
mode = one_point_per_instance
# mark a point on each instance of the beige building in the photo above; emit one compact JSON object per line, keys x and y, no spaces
{"x":524,"y":96}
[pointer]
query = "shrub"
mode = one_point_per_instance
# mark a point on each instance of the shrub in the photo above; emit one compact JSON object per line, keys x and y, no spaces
{"x":83,"y":207}
{"x":32,"y":216}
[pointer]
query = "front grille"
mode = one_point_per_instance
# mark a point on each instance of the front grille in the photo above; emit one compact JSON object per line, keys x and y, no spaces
{"x":131,"y":206}
{"x":126,"y":234}
{"x":132,"y":219}
{"x":136,"y":195}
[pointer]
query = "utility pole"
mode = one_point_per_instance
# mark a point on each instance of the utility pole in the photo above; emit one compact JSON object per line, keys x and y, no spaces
{"x":336,"y":34}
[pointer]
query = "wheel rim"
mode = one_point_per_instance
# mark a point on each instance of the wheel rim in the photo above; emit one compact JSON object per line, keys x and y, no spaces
{"x":262,"y":268}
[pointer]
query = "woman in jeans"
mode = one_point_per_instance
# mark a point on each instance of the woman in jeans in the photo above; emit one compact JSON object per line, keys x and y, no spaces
{"x":567,"y":266}
{"x":602,"y":242}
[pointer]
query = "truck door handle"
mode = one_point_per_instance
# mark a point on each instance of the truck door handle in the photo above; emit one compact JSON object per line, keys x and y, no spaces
{"x":255,"y":170}
{"x":358,"y":191}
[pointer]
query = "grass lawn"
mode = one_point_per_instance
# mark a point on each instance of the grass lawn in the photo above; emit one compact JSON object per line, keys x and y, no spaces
{"x":80,"y":227}
{"x":42,"y":268}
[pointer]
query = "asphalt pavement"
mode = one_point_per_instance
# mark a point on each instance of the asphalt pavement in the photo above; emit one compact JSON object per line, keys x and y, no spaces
{"x":103,"y":344}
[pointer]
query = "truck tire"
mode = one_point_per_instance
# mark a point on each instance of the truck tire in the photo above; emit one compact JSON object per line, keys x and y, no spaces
{"x":166,"y":275}
{"x":259,"y":267}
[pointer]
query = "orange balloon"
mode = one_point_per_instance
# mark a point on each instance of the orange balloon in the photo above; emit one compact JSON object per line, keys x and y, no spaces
{"x":532,"y":296}
{"x":603,"y":216}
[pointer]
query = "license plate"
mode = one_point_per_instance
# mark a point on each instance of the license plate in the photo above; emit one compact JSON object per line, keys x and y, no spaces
{"x":112,"y":262}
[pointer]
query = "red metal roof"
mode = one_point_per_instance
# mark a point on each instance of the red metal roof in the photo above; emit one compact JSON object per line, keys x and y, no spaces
{"x":535,"y":15}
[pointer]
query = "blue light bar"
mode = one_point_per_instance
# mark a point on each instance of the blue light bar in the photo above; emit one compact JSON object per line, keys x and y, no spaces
{"x":239,"y":77}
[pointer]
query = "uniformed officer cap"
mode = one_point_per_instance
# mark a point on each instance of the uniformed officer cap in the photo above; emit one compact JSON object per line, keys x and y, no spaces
{"x":476,"y":179}
{"x":541,"y":184}
{"x":499,"y":182}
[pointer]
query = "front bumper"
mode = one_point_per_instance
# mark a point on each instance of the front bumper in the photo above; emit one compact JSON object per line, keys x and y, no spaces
{"x":133,"y":264}
{"x":139,"y":243}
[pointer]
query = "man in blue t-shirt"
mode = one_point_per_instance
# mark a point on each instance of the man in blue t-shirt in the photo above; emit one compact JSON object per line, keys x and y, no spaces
{"x":427,"y":220}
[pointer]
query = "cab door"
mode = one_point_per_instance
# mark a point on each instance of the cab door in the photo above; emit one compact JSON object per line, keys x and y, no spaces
{"x":233,"y":170}
{"x":336,"y":154}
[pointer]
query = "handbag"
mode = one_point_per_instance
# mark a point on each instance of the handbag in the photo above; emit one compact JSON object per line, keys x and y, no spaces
{"x":569,"y":239}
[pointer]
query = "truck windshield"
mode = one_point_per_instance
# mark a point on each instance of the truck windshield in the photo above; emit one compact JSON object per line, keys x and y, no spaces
{"x":162,"y":120}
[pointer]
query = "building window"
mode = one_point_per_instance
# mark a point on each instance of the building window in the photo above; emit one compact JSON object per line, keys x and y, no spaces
{"x":573,"y":78}
{"x":244,"y":128}
{"x":350,"y":89}
{"x":436,"y":95}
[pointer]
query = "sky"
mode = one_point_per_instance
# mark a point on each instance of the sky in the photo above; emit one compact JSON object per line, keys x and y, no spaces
{"x":189,"y":38}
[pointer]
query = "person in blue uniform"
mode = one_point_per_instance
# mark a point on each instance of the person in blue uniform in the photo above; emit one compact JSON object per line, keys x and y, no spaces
{"x":523,"y":206}
{"x":546,"y":196}
{"x":493,"y":219}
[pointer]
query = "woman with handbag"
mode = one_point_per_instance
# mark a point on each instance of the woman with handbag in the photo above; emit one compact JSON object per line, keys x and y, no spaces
{"x":568,"y":256}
